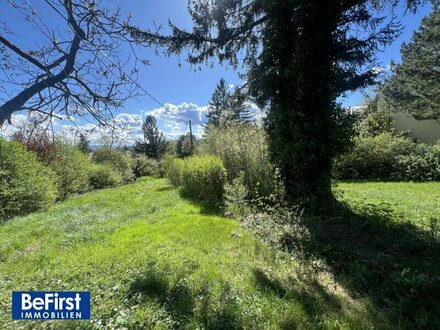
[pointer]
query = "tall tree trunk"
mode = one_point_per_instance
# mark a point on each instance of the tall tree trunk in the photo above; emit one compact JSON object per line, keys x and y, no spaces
{"x":299,"y":119}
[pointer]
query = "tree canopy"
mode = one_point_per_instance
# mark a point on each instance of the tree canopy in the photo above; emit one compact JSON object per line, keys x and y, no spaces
{"x":218,"y":104}
{"x":153,"y":144}
{"x":228,"y":107}
{"x":415,"y":86}
{"x":301,"y":55}
{"x":184,"y":146}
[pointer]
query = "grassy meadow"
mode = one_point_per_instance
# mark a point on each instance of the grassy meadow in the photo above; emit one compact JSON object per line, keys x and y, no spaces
{"x":413,"y":201}
{"x":152,"y":259}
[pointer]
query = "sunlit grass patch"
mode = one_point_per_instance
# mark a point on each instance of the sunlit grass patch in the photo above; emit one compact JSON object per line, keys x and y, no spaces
{"x":153,"y":259}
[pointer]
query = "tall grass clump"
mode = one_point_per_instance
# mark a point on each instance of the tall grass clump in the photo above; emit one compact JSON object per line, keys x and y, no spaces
{"x":26,"y":185}
{"x":202,"y":177}
{"x":244,"y":151}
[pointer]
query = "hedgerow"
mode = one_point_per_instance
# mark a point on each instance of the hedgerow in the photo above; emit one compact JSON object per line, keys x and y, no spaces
{"x":25,"y":184}
{"x":203,"y":177}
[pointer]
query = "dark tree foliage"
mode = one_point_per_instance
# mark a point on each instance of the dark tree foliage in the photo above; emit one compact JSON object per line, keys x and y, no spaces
{"x":226,"y":107}
{"x":84,"y":144}
{"x":153,"y":144}
{"x":301,"y":56}
{"x":218,"y":104}
{"x":238,"y":111}
{"x":415,"y":86}
{"x":183,"y":146}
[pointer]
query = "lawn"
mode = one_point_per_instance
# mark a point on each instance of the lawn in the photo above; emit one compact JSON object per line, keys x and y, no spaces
{"x":415,"y":202}
{"x":152,"y":259}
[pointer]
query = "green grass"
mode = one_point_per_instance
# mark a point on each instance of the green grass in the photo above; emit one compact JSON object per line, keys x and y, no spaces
{"x":152,"y":259}
{"x":415,"y":202}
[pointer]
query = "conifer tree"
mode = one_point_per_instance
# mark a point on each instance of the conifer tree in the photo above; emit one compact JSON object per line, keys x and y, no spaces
{"x":219,"y":104}
{"x":84,"y":144}
{"x":415,"y":86}
{"x":301,"y":56}
{"x":153,"y":144}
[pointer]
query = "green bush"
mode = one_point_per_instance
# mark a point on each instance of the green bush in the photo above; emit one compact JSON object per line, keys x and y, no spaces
{"x":421,"y":165}
{"x":236,"y":203}
{"x":243,"y":149}
{"x":202,"y":177}
{"x":73,"y":169}
{"x":144,"y":166}
{"x":118,"y":159}
{"x":387,"y":157}
{"x":104,"y":176}
{"x":172,"y":168}
{"x":25,"y":184}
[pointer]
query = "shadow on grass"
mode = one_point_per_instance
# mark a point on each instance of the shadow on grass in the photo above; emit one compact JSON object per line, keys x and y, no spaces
{"x":153,"y":285}
{"x":317,"y":302}
{"x":376,"y":254}
{"x":178,"y":299}
{"x":206,"y":208}
{"x":168,"y":188}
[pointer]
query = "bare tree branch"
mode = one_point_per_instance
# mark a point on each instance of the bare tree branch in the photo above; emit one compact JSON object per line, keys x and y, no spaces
{"x":71,"y":74}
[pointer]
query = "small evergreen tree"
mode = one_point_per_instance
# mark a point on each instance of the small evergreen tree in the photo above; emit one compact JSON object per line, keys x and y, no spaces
{"x":227,"y":107}
{"x":153,"y":143}
{"x":183,"y":146}
{"x":84,"y":144}
{"x":239,"y":106}
{"x":219,"y":104}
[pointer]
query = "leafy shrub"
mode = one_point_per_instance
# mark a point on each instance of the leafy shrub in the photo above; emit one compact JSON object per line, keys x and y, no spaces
{"x":373,"y":120}
{"x":25,"y":184}
{"x":421,"y":165}
{"x":242,"y":149}
{"x":387,"y":157}
{"x":235,"y":198}
{"x":104,"y":176}
{"x":172,"y":168}
{"x":202,"y":177}
{"x":38,"y":141}
{"x":73,"y":169}
{"x":283,"y":228}
{"x":118,"y":159}
{"x":144,"y":166}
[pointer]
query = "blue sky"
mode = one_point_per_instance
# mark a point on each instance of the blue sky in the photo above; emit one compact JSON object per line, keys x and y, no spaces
{"x":185,"y":92}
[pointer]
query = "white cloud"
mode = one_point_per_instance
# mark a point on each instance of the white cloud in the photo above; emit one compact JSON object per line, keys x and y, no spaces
{"x":8,"y":130}
{"x":378,"y":69}
{"x":258,"y":114}
{"x":172,"y":120}
{"x":133,"y":120}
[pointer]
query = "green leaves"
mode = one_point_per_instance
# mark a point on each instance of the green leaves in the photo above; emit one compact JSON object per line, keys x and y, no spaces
{"x":415,"y":86}
{"x":25,"y":184}
{"x":202,"y":177}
